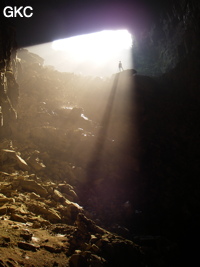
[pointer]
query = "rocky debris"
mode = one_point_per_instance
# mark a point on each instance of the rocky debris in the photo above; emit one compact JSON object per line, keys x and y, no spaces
{"x":86,"y":259}
{"x":27,"y":246}
{"x":11,"y":155}
{"x":35,"y":162}
{"x":33,"y":186}
{"x":103,"y":247}
{"x":43,"y":218}
{"x":41,"y":201}
{"x":86,"y":225}
{"x":22,"y":244}
{"x":68,"y":191}
{"x":43,"y":208}
{"x":84,"y":173}
{"x":62,"y":243}
{"x":26,"y":235}
{"x":18,"y":218}
{"x":57,"y":196}
{"x":39,"y":208}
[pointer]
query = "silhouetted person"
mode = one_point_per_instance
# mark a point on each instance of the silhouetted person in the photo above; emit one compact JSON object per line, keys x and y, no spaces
{"x":120,"y":66}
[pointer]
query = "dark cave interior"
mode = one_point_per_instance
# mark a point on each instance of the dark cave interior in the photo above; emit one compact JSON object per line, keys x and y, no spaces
{"x":127,"y":145}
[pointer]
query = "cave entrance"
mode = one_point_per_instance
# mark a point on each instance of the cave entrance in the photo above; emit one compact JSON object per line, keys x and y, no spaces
{"x":94,"y":54}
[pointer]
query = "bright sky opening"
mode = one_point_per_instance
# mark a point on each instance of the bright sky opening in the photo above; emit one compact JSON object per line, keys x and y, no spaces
{"x":95,"y":54}
{"x":98,"y":47}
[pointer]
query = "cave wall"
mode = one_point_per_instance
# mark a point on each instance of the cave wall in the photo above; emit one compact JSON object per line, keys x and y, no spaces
{"x":169,"y":126}
{"x":172,"y":36}
{"x":9,"y":89}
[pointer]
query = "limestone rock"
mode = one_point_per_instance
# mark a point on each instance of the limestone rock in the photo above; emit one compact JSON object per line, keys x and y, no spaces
{"x":6,"y":189}
{"x":69,"y":211}
{"x":26,"y":235}
{"x":33,"y":195}
{"x":33,"y":186}
{"x":18,"y":218}
{"x":36,"y":164}
{"x":11,"y":154}
{"x":28,"y":246}
{"x":3,"y":210}
{"x":22,"y":163}
{"x":48,"y":213}
{"x":86,"y":225}
{"x":53,"y":249}
{"x":57,"y":196}
{"x":38,"y":222}
{"x":6,"y":144}
{"x":72,"y":208}
{"x":4,"y":200}
{"x":68,"y":190}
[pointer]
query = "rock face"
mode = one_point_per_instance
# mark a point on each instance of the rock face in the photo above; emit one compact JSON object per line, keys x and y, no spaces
{"x":9,"y":89}
{"x":172,"y":37}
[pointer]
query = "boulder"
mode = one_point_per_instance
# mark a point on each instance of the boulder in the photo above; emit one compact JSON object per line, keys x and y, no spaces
{"x":36,"y":164}
{"x":3,"y":210}
{"x":33,"y":186}
{"x":68,"y":190}
{"x":26,"y":235}
{"x":4,"y":200}
{"x":48,"y":213}
{"x":69,"y":211}
{"x":18,"y":218}
{"x":74,"y":208}
{"x":57,"y":196}
{"x":33,"y":195}
{"x":52,"y":249}
{"x":28,"y":246}
{"x":86,"y":225}
{"x":6,"y":144}
{"x":11,"y":154}
{"x":38,"y":222}
{"x":22,"y":163}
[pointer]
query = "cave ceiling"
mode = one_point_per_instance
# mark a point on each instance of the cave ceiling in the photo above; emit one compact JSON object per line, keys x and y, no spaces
{"x":53,"y":20}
